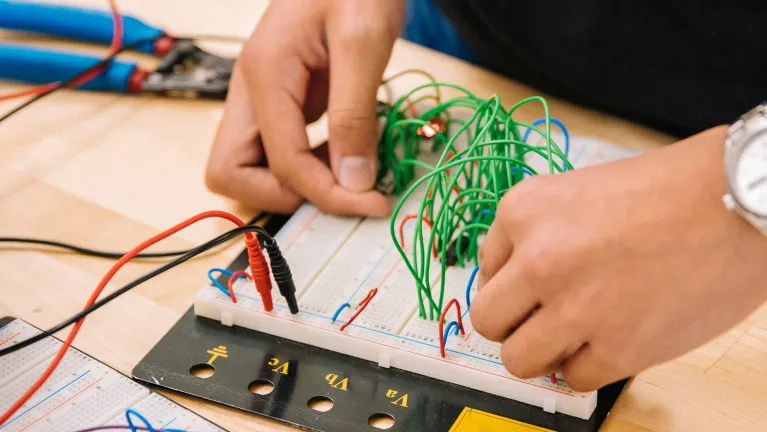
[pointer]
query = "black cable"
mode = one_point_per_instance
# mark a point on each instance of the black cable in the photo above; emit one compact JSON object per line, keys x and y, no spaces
{"x":66,"y":83}
{"x":223,"y":238}
{"x":86,"y":251}
{"x":106,"y":254}
{"x":281,"y":274}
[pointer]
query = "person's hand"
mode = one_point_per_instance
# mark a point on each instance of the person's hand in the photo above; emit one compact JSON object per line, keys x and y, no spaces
{"x":283,"y":80}
{"x":605,"y":271}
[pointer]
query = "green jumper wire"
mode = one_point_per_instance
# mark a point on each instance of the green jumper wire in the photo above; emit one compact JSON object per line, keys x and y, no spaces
{"x":481,"y":158}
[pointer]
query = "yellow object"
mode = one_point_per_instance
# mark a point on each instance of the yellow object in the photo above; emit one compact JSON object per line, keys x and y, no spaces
{"x":472,"y":420}
{"x":220,"y":351}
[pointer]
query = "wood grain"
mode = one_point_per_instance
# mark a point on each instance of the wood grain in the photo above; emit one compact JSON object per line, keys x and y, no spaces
{"x":108,"y":171}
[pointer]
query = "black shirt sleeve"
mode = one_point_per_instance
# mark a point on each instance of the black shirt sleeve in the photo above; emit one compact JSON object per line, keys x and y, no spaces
{"x":680,"y":66}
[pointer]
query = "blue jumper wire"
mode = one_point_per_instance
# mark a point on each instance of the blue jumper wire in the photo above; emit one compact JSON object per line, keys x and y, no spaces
{"x":452,"y":325}
{"x":147,"y":425}
{"x":557,"y":123}
{"x":215,"y":281}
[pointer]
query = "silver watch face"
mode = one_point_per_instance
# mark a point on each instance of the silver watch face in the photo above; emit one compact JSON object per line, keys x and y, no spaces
{"x":750,"y":175}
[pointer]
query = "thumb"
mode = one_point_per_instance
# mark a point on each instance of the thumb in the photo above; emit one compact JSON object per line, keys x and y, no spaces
{"x":357,"y":62}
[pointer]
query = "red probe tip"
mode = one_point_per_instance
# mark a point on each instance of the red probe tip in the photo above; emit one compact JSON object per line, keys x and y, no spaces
{"x":259,"y":270}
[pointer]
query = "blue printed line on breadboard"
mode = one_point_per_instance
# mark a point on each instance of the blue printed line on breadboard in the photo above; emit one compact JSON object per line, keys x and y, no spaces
{"x":368,"y":329}
{"x":43,"y":400}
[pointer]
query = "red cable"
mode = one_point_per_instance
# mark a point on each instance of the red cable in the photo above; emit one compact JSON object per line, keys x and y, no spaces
{"x":402,"y":231}
{"x":442,"y":323}
{"x":29,"y":92}
{"x":361,"y":307}
{"x":104,"y":281}
{"x":232,"y":279}
{"x":554,"y":379}
{"x":114,"y":47}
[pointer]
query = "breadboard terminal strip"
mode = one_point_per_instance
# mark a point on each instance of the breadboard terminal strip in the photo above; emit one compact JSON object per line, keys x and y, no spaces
{"x":358,"y":297}
{"x":82,"y":394}
{"x":389,"y":331}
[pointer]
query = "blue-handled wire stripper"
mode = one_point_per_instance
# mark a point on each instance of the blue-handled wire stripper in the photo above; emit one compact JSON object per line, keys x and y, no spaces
{"x":185,"y":70}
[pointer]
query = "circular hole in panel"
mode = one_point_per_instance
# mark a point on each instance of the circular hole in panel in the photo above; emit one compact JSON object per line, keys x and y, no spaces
{"x":261,"y":387}
{"x":381,"y":421}
{"x":202,"y":370}
{"x":320,"y":403}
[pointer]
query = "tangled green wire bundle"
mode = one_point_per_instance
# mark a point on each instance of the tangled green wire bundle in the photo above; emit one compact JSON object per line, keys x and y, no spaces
{"x":481,"y":158}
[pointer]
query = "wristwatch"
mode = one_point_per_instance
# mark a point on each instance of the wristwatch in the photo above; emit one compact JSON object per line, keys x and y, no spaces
{"x":745,"y":166}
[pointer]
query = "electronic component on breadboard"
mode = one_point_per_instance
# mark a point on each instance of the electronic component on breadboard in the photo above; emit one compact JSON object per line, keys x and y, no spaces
{"x":81,"y":393}
{"x":389,"y":331}
{"x":347,"y":268}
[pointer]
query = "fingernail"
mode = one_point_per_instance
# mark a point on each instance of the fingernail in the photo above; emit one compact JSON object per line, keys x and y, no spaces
{"x":357,"y":174}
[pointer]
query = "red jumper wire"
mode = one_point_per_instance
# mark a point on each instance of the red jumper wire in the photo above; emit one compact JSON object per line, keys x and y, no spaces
{"x":442,"y":324}
{"x":361,"y":307}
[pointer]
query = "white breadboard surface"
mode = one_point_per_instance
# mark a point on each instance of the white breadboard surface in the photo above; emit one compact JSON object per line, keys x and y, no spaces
{"x":81,"y":393}
{"x":337,"y":260}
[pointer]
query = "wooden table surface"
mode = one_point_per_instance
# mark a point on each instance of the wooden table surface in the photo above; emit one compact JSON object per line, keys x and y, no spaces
{"x":108,"y":171}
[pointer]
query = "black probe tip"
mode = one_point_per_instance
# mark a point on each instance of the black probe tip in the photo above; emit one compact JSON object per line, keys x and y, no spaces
{"x":282,"y":275}
{"x":292,"y":304}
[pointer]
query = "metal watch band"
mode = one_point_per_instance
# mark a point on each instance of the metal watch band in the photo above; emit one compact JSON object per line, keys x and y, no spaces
{"x":759,"y":223}
{"x":754,"y":119}
{"x":757,"y":115}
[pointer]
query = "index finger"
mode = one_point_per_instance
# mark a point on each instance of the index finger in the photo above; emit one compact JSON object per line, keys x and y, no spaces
{"x":287,"y":147}
{"x":236,"y":165}
{"x":494,"y":252}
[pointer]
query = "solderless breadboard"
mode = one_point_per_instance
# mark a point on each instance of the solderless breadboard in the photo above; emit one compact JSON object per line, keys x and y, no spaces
{"x":81,"y":393}
{"x":338,"y":260}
